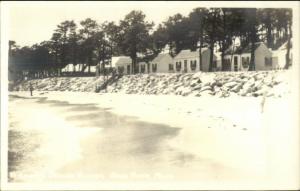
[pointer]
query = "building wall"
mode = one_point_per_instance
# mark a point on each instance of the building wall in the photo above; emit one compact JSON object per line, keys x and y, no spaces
{"x":162,"y":65}
{"x":245,"y":56}
{"x":260,"y":54}
{"x":206,"y":59}
{"x":205,"y":62}
{"x":188,"y":60}
{"x":124,"y":67}
{"x":146,"y":68}
{"x":232,"y":61}
{"x":278,"y":58}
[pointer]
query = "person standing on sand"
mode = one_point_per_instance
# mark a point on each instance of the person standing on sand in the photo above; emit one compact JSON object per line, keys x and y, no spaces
{"x":30,"y":89}
{"x":263,"y":100}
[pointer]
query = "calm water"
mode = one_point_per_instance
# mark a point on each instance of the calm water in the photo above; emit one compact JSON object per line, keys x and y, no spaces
{"x":51,"y":140}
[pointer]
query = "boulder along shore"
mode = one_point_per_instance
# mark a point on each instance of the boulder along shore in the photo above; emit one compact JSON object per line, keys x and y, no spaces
{"x":220,"y":84}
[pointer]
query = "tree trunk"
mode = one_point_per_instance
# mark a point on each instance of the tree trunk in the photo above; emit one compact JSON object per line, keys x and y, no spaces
{"x":253,"y":40}
{"x":212,"y":43}
{"x":252,"y":57}
{"x":200,"y":50}
{"x":222,"y":60}
{"x":200,"y":58}
{"x":211,"y":57}
{"x":133,"y":65}
{"x":269,"y":31}
{"x":231,"y":57}
{"x":288,"y":48}
{"x":269,"y":37}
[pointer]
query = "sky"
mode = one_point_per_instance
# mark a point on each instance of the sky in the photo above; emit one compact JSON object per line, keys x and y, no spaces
{"x":33,"y":22}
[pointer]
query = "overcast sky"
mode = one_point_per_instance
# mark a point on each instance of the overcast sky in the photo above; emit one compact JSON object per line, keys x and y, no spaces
{"x":30,"y":23}
{"x":33,"y":22}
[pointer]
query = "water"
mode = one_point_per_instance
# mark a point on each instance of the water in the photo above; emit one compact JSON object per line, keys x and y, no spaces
{"x":52,"y":140}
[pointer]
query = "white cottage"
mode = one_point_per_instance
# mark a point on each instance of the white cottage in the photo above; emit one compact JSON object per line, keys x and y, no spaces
{"x":238,"y":59}
{"x":143,"y":67}
{"x":72,"y":68}
{"x":122,"y":64}
{"x":162,"y":63}
{"x":92,"y":69}
{"x":188,"y":61}
{"x":279,"y":56}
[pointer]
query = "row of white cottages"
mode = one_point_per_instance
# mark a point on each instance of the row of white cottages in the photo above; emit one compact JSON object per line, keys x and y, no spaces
{"x":235,"y":59}
{"x":185,"y":61}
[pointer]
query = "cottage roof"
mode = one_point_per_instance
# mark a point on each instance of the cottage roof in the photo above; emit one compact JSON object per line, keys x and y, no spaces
{"x":247,"y":49}
{"x":140,"y":63}
{"x":92,"y":69}
{"x":120,"y":60}
{"x":160,"y":57}
{"x":284,"y":45}
{"x":233,"y":50}
{"x":189,"y":54}
{"x":241,"y":50}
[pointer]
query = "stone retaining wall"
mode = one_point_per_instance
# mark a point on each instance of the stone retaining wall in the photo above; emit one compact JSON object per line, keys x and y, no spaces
{"x":221,"y":84}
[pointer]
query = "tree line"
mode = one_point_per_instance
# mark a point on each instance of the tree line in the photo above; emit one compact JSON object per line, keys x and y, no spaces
{"x":91,"y":43}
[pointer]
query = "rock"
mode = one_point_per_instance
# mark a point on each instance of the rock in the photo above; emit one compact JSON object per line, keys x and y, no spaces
{"x":244,"y":92}
{"x":236,"y":88}
{"x":259,"y":76}
{"x":258,"y":84}
{"x":204,"y":88}
{"x":208,"y":79}
{"x":195,"y":82}
{"x":248,"y":84}
{"x":230,"y":84}
{"x":186,"y":91}
{"x":197,"y":75}
{"x":197,"y":94}
{"x":197,"y":87}
{"x":207,"y":92}
{"x":218,"y":83}
{"x":179,"y":90}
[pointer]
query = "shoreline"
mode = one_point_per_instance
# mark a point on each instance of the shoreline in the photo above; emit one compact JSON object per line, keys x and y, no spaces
{"x":231,"y":127}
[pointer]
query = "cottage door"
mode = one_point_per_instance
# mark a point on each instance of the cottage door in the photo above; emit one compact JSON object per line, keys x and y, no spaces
{"x":185,"y":66}
{"x":128,"y":69}
{"x":235,"y":63}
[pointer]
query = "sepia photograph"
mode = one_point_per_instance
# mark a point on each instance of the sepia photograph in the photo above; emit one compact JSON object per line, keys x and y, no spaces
{"x":150,"y":95}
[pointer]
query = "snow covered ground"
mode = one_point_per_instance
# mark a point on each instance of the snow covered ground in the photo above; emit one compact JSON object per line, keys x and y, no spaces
{"x":256,"y":140}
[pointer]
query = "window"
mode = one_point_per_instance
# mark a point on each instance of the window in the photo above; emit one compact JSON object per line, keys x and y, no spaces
{"x":142,"y":68}
{"x":185,"y":66}
{"x":171,"y":67}
{"x":245,"y":62}
{"x":235,"y":63}
{"x":178,"y":66}
{"x":268,"y":61}
{"x":128,"y":69}
{"x":227,"y":65}
{"x":193,"y":64}
{"x":120,"y":69}
{"x":154,"y":67}
{"x":137,"y":69}
{"x":215,"y":64}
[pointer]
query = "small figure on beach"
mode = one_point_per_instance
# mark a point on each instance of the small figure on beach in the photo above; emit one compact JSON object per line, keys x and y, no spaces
{"x":263,"y":100}
{"x":31,"y":89}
